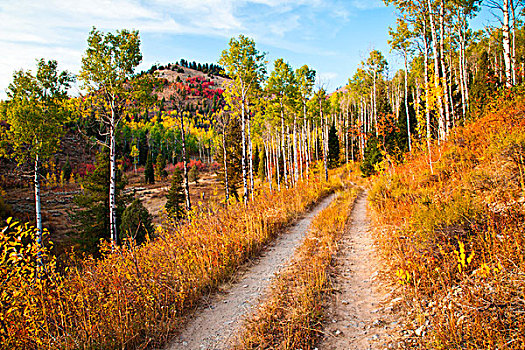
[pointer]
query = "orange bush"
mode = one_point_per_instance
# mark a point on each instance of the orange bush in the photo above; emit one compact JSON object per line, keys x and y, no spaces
{"x":136,"y":296}
{"x":453,"y":238}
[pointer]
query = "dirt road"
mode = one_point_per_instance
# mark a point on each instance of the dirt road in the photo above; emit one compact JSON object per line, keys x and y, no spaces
{"x":215,"y":325}
{"x":359,"y":317}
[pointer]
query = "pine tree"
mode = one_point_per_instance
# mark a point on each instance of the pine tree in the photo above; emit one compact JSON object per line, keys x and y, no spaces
{"x":256,"y":158}
{"x":149,"y":174}
{"x":261,"y":170}
{"x":333,"y":147}
{"x":160,"y":166}
{"x":136,"y":223}
{"x":175,"y":204}
{"x":93,"y":217}
{"x":67,"y":170}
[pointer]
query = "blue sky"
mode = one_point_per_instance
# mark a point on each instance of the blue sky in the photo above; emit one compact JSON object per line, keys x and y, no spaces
{"x":331,"y":36}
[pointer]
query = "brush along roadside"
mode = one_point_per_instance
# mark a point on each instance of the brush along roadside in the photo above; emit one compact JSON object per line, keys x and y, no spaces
{"x":292,"y":316}
{"x":453,"y":237}
{"x":137,"y":296}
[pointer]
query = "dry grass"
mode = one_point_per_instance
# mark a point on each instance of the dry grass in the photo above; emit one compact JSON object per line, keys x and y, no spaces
{"x":137,"y":297}
{"x":292,"y":316}
{"x":453,"y":239}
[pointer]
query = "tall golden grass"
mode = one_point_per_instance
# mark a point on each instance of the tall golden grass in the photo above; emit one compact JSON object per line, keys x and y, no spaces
{"x":292,"y":316}
{"x":454,"y":239}
{"x":135,"y":297}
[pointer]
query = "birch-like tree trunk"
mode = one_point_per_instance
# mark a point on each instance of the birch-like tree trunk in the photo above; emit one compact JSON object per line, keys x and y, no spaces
{"x":283,"y":148}
{"x":112,"y":178}
{"x":243,"y":157}
{"x":325,"y":162}
{"x":184,"y":162}
{"x":406,"y":103}
{"x":512,"y":8}
{"x":38,"y":207}
{"x":276,"y":149}
{"x":308,"y":148}
{"x":446,"y":95}
{"x":250,"y":149}
{"x":427,"y":101}
{"x":506,"y":43}
{"x":226,"y":189}
{"x":437,"y":84}
{"x":295,"y":151}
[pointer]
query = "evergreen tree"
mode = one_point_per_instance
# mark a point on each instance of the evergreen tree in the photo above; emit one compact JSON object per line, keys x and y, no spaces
{"x":175,"y":204}
{"x":67,"y":170}
{"x":261,"y":170}
{"x":372,"y":157}
{"x":93,"y":217}
{"x":149,"y":174}
{"x":333,"y":147}
{"x":256,"y":158}
{"x":160,"y":166}
{"x":136,"y":223}
{"x":193,"y":175}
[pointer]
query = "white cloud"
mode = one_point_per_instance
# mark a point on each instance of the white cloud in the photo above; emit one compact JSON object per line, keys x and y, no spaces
{"x":367,"y":4}
{"x":58,"y":29}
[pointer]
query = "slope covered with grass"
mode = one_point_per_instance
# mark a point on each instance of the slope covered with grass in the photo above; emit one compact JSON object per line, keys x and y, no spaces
{"x":453,"y":238}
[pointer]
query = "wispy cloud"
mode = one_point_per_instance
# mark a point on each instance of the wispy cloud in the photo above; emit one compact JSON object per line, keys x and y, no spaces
{"x":58,"y":29}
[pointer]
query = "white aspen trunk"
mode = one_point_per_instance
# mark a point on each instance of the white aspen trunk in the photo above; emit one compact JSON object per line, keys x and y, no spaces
{"x":374,"y":107}
{"x":226,"y":189}
{"x":301,"y":152}
{"x":277,"y":165}
{"x":345,"y":128}
{"x":38,"y":208}
{"x":513,"y":57}
{"x":461,"y":75}
{"x":427,"y":103}
{"x":308,"y":148}
{"x":398,"y":100}
{"x":506,"y":43}
{"x":267,"y":154}
{"x":352,"y":128}
{"x":437,"y":84}
{"x":185,"y":164}
{"x":283,"y":147}
{"x":446,"y":95}
{"x":112,"y":179}
{"x":406,"y":103}
{"x":325,"y":162}
{"x":243,"y":135}
{"x":290,"y":156}
{"x":295,"y":151}
{"x":465,"y":72}
{"x":250,"y":149}
{"x":452,"y":109}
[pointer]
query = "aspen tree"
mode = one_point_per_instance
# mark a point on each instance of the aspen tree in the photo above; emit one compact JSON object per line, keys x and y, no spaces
{"x":107,"y":67}
{"x":36,"y":112}
{"x":246,"y":66}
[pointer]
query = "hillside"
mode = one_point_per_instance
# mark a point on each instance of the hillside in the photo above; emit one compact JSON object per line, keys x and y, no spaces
{"x":452,"y":236}
{"x":205,"y":96}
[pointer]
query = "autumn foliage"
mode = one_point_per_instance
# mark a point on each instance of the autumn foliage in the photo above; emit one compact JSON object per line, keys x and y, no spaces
{"x":135,"y":296}
{"x":453,"y":238}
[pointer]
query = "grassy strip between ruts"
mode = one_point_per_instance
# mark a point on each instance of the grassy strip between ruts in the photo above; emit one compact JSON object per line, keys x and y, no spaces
{"x":136,"y":297}
{"x":292,"y":316}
